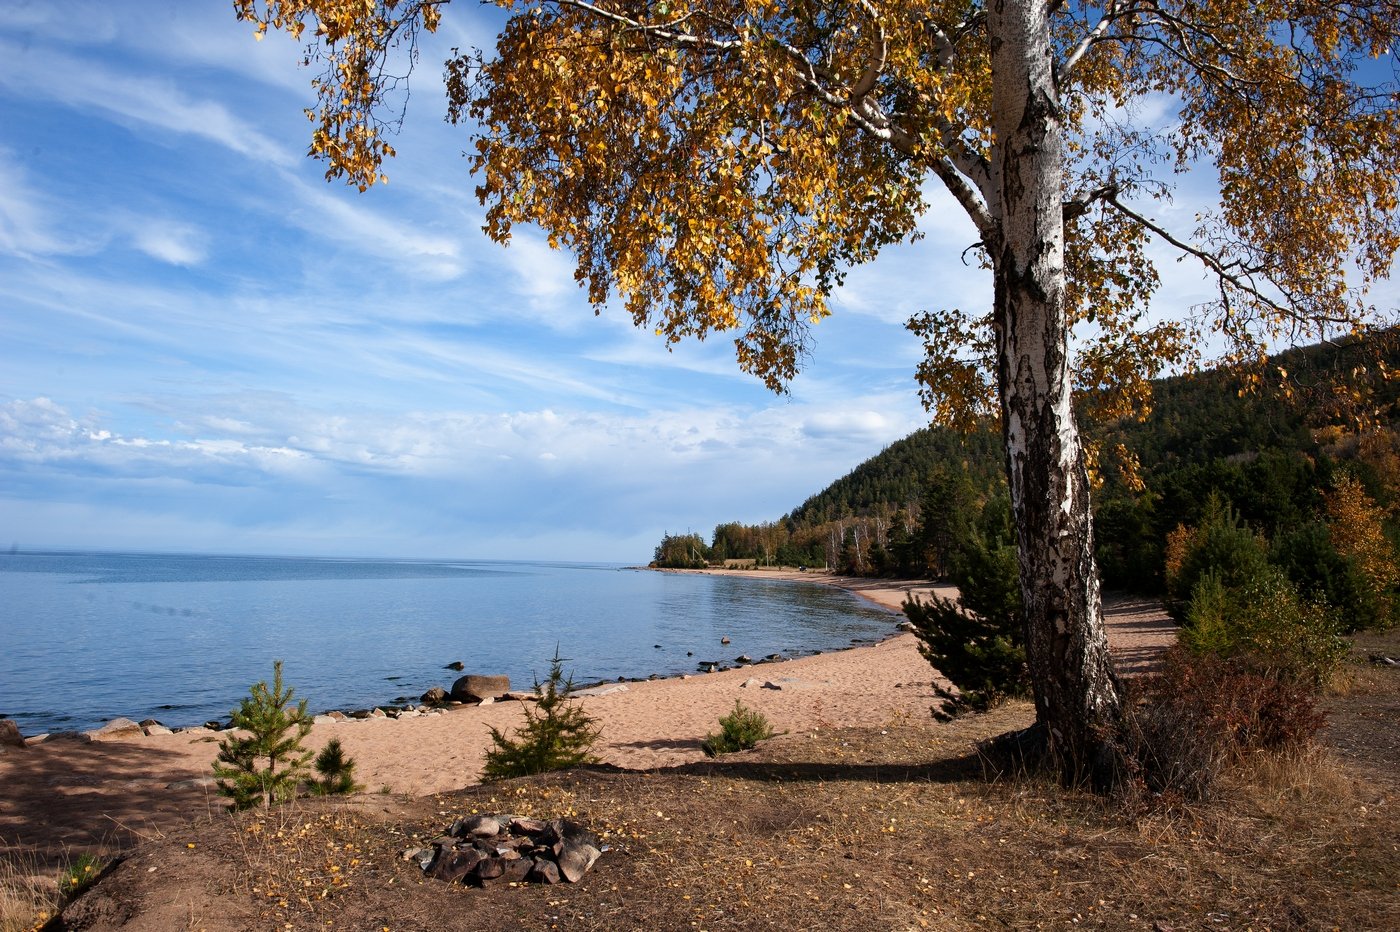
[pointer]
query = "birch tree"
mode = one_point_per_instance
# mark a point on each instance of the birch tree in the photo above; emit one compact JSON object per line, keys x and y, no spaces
{"x":717,"y":166}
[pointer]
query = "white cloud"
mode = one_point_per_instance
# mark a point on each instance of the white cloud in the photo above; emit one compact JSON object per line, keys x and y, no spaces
{"x":371,"y":232}
{"x":171,"y":241}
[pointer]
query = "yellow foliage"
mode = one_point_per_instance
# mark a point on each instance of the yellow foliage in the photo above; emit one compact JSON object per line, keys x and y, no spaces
{"x":718,"y":166}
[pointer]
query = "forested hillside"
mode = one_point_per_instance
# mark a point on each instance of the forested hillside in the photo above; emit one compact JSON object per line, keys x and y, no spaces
{"x":1271,"y":457}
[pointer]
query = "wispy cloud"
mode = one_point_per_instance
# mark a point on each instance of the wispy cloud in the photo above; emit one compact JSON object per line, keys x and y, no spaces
{"x":31,"y":224}
{"x":135,"y":101}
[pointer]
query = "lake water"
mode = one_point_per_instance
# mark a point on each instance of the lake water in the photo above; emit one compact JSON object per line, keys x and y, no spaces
{"x":87,"y":637}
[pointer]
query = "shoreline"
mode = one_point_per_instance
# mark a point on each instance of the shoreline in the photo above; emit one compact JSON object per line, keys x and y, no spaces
{"x":84,"y":793}
{"x":884,"y":594}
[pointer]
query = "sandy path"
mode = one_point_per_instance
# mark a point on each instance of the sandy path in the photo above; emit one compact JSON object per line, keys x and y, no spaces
{"x":73,"y":793}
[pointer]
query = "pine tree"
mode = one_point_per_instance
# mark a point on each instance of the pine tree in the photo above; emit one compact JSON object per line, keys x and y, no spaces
{"x":335,"y":770}
{"x":557,"y":734}
{"x":266,"y":762}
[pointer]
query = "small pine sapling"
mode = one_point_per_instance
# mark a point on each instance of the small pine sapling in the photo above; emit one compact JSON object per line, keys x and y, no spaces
{"x":557,"y":733}
{"x":740,"y":730}
{"x":335,"y":771}
{"x":265,"y":762}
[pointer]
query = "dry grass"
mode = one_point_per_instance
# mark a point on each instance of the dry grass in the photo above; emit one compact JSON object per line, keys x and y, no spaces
{"x":28,"y":896}
{"x":878,"y":829}
{"x":893,"y":828}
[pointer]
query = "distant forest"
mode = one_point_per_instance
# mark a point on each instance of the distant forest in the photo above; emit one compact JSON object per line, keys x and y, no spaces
{"x":1274,"y":459}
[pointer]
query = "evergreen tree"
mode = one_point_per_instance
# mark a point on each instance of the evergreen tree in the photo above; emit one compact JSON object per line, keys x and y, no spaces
{"x":557,"y":734}
{"x":266,"y":762}
{"x":335,"y":771}
{"x":978,"y":640}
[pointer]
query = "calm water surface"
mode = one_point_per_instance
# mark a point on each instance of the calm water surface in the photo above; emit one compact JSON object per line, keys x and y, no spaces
{"x":86,"y":637}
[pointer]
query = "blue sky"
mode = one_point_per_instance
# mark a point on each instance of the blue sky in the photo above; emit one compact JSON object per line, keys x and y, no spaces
{"x":205,"y":347}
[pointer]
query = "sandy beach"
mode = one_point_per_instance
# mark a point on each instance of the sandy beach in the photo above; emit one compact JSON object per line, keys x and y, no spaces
{"x":70,"y":793}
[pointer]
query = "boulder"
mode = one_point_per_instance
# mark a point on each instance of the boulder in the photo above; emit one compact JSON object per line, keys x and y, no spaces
{"x":9,"y":734}
{"x":475,"y":687}
{"x":435,"y":696}
{"x":82,"y":737}
{"x":155,"y":728}
{"x":117,"y":728}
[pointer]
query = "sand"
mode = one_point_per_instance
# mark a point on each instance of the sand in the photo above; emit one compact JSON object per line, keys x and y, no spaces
{"x":68,"y":793}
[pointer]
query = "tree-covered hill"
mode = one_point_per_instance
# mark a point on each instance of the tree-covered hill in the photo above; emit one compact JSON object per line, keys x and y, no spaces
{"x":1273,"y":454}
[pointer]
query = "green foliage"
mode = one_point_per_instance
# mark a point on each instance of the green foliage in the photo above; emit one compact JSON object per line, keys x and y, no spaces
{"x":979,"y":642}
{"x":263,"y":761}
{"x":335,"y":771}
{"x":682,"y":552}
{"x":947,"y":512}
{"x":1322,"y":575}
{"x":1221,"y":546}
{"x":1236,"y":605}
{"x":79,"y":875}
{"x":895,"y":476}
{"x":1264,"y":626}
{"x":557,"y":733}
{"x":740,"y":730}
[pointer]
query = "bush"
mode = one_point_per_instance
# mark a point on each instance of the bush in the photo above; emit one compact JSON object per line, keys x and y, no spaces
{"x":1263,"y":626}
{"x":978,"y":642}
{"x":335,"y":771}
{"x":1183,"y":727}
{"x":740,"y":730}
{"x":556,"y":735}
{"x":266,"y":763}
{"x":1324,"y":576}
{"x":1222,"y":546}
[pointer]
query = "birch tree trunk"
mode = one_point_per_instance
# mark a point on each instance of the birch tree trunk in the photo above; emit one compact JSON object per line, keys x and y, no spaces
{"x":1067,"y":651}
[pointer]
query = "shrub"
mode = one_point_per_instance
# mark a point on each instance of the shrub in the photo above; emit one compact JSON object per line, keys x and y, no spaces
{"x":1221,"y":545}
{"x":1310,"y":559}
{"x":1263,"y":626}
{"x":740,"y":730}
{"x":1183,"y":727}
{"x":265,"y":763}
{"x":335,"y":771}
{"x":978,"y":643}
{"x":557,"y":734}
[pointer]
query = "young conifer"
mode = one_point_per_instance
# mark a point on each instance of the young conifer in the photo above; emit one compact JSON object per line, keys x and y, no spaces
{"x":557,"y":733}
{"x":335,"y":771}
{"x":264,"y":761}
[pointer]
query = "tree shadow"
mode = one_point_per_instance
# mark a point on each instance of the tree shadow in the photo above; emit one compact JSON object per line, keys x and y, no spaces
{"x":66,"y":797}
{"x":661,"y":744}
{"x":970,"y":766}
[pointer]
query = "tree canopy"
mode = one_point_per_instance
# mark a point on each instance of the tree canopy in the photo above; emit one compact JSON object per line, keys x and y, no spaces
{"x":718,"y":166}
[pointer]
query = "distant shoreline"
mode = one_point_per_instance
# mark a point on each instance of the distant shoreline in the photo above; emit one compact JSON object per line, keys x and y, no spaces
{"x":888,"y":594}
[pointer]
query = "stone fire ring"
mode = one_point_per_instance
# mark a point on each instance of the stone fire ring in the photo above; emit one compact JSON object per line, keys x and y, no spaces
{"x":492,"y":849}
